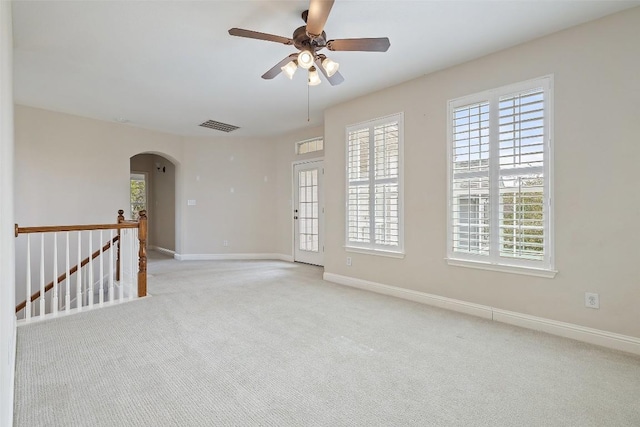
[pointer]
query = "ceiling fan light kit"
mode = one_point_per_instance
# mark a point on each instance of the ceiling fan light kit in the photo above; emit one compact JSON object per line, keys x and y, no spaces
{"x":310,"y":39}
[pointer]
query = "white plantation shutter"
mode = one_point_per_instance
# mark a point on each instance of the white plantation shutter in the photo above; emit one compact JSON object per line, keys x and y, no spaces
{"x":522,"y":149}
{"x":470,"y":186}
{"x":373,"y":187}
{"x":358,"y":206}
{"x":499,"y":207}
{"x":387,"y":157}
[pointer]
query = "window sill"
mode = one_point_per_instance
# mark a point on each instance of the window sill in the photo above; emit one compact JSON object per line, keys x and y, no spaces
{"x":389,"y":254}
{"x":527,"y":271}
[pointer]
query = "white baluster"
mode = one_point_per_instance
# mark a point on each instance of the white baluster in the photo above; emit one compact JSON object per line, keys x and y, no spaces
{"x":67,"y":296}
{"x":133,"y":283}
{"x":101,"y":270}
{"x":54,"y":298}
{"x":90,"y":287}
{"x":123,"y":270}
{"x":111,"y":270}
{"x":27,"y":312}
{"x":43,"y":309}
{"x":79,"y":274}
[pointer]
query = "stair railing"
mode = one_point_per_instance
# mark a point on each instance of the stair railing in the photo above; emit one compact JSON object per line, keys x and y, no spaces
{"x":120,"y":262}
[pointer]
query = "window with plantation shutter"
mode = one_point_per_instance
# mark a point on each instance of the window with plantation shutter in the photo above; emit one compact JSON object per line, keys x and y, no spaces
{"x":373,"y":217}
{"x":500,"y":210}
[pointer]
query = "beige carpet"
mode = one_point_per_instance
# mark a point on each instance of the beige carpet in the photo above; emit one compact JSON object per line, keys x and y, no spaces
{"x":267,"y":343}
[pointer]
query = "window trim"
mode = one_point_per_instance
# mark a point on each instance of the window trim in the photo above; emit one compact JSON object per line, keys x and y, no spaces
{"x":371,"y":248}
{"x":546,"y":267}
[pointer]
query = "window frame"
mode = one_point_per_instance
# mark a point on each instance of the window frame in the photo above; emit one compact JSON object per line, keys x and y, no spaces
{"x":494,"y":261}
{"x":371,"y":247}
{"x":307,"y":141}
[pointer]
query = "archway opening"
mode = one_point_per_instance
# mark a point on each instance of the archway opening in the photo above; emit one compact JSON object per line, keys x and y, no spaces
{"x":153,"y":187}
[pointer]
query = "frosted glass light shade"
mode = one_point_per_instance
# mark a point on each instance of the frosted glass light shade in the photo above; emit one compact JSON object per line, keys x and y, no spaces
{"x":290,"y":69}
{"x":305,"y":59}
{"x":314,"y":78}
{"x":330,"y":66}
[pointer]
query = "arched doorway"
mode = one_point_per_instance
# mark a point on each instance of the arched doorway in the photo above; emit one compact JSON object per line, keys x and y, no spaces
{"x":153,"y":187}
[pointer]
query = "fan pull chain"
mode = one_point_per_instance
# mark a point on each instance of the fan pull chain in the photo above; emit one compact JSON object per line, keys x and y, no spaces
{"x":308,"y":119}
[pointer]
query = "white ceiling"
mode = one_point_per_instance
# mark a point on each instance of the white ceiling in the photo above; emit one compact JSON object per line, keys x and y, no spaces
{"x":171,"y":65}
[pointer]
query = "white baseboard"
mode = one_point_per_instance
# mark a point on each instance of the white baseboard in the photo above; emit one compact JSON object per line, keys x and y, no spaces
{"x":226,"y":257}
{"x":568,"y":330}
{"x":408,"y":294}
{"x":162,"y":250}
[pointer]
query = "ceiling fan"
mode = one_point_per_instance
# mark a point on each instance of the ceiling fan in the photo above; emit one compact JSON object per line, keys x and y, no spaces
{"x":309,"y":40}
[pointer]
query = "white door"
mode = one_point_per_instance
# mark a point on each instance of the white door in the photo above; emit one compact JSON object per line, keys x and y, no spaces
{"x":308,"y":213}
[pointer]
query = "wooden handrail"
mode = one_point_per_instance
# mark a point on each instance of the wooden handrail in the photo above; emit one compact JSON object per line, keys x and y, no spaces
{"x":55,"y":228}
{"x":63,"y":276}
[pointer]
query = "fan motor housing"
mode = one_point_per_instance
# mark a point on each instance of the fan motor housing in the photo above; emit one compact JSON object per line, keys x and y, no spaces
{"x":303,"y":42}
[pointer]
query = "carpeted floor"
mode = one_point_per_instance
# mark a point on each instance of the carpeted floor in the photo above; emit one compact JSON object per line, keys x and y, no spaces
{"x":268,"y":343}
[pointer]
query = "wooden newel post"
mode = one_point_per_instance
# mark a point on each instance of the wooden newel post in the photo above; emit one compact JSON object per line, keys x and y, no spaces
{"x":142,"y":254}
{"x":120,"y":221}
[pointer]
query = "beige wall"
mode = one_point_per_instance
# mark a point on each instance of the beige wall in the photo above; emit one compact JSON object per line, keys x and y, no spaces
{"x":232,"y":181}
{"x":254,"y":218}
{"x":597,"y":90}
{"x":164,"y":204}
{"x":7,"y":291}
{"x":73,"y":170}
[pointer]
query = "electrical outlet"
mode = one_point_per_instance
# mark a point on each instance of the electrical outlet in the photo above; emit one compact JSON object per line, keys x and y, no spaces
{"x":349,"y":261}
{"x":591,"y":300}
{"x":225,"y":243}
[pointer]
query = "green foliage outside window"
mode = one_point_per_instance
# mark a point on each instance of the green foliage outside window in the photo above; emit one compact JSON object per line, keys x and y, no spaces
{"x":138,"y":197}
{"x":523,"y":221}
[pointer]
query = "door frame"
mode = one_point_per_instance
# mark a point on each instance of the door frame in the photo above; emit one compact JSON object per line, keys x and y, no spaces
{"x":292,"y":206}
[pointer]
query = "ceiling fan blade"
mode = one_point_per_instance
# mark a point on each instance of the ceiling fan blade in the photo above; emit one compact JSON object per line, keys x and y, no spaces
{"x":380,"y":44}
{"x":334,"y":80}
{"x":259,"y":36}
{"x":317,"y":17}
{"x":277,"y":69}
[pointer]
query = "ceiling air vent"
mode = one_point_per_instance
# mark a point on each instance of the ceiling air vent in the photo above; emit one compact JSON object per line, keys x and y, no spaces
{"x":212,"y":124}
